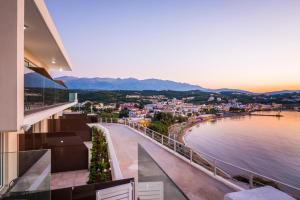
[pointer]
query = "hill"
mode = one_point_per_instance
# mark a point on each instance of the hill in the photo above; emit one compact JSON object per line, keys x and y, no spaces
{"x":126,"y":84}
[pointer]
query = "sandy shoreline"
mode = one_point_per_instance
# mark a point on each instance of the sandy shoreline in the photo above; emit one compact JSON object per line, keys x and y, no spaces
{"x":187,"y":130}
{"x":180,"y":130}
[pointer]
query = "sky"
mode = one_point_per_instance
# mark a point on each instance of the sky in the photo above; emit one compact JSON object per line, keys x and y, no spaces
{"x":252,"y":45}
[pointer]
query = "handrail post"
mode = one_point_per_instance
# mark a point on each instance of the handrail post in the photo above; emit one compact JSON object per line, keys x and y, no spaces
{"x":191,"y":155}
{"x":215,"y":167}
{"x":174,"y":145}
{"x":162,"y":139}
{"x":152,"y":134}
{"x":251,"y":180}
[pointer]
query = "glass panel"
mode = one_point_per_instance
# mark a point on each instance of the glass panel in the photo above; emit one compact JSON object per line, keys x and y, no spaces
{"x":41,"y":92}
{"x":153,"y":181}
{"x":29,"y":174}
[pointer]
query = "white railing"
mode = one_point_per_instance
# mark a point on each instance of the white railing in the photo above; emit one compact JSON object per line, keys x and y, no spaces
{"x":241,"y":177}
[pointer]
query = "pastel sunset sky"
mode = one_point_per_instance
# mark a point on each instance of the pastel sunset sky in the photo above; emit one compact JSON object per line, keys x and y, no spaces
{"x":252,"y":45}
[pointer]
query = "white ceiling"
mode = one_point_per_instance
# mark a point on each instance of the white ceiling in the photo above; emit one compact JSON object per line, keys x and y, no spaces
{"x":41,"y":38}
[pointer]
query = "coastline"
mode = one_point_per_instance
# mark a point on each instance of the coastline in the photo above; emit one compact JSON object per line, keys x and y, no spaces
{"x":183,"y":130}
{"x":187,"y":129}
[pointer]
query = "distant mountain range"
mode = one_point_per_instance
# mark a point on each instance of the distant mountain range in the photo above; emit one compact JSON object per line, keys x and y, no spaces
{"x":125,"y":84}
{"x":282,"y":92}
{"x":146,"y":84}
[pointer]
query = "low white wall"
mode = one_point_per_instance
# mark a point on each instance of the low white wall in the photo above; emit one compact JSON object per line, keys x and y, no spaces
{"x":114,"y":163}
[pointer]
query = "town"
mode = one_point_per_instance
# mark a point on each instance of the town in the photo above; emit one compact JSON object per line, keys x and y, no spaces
{"x":142,"y":106}
{"x":183,"y":107}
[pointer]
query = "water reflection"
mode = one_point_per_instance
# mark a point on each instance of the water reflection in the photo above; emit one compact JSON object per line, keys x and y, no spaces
{"x":41,"y":92}
{"x":258,"y":143}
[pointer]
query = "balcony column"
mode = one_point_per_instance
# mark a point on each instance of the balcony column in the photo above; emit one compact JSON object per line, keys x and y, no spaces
{"x":11,"y":64}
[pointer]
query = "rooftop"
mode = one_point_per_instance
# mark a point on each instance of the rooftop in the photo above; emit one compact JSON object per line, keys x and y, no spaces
{"x":193,"y":182}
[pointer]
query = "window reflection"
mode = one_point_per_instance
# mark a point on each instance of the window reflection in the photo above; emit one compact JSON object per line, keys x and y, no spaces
{"x":40,"y":91}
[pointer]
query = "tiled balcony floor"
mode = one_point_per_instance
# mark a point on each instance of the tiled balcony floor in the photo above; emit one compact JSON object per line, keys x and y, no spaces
{"x":195,"y":184}
{"x":69,"y":179}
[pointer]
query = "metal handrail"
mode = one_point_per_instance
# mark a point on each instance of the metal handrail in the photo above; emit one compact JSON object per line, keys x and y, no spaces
{"x":215,"y":168}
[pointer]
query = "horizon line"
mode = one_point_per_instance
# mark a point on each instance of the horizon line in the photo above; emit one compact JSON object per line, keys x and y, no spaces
{"x":209,"y":88}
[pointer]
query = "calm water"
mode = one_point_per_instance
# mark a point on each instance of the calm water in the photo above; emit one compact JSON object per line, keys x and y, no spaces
{"x":263,"y":144}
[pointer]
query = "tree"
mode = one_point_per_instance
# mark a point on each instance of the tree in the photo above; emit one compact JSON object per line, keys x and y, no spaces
{"x":159,"y":127}
{"x":124,"y":113}
{"x":236,"y":110}
{"x":165,"y":118}
{"x":86,"y":108}
{"x":181,"y":119}
{"x":210,"y":111}
{"x":161,"y":122}
{"x":139,"y":105}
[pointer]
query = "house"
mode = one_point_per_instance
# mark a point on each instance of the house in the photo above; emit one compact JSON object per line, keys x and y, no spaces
{"x":32,"y":104}
{"x":133,"y":96}
{"x":211,"y":98}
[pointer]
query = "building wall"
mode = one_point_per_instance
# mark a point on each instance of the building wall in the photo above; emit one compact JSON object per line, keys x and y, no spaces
{"x":11,"y":64}
{"x":41,"y":127}
{"x":10,"y":148}
{"x":9,"y":164}
{"x":12,"y":85}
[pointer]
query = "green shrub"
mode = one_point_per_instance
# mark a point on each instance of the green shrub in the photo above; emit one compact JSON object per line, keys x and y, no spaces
{"x":99,"y":166}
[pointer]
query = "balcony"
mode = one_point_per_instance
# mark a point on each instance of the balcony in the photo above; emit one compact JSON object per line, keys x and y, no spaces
{"x":42,"y":92}
{"x":26,"y":175}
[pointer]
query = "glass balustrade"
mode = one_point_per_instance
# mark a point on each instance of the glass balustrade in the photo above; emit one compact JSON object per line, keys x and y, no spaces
{"x":26,"y":175}
{"x":41,"y":92}
{"x":153,"y":182}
